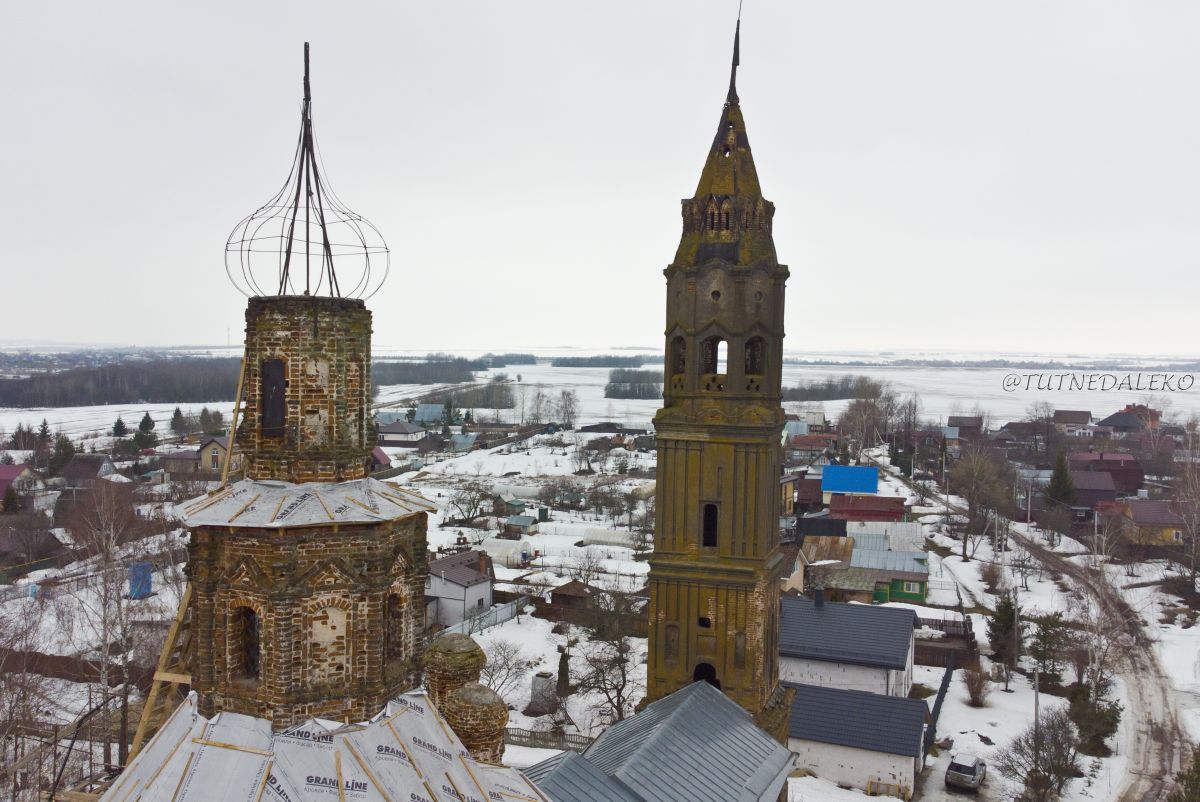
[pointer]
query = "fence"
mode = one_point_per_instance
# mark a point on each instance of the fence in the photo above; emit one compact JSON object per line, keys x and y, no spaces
{"x":931,"y":731}
{"x":546,"y":740}
{"x":486,"y":620}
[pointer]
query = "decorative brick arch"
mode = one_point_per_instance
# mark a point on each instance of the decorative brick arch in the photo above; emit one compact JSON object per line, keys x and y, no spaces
{"x":399,"y":629}
{"x":328,"y":636}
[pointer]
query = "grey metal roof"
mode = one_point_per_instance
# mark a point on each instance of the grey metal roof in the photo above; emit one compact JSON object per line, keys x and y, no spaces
{"x":859,"y":634}
{"x":521,"y":520}
{"x":890,"y":724}
{"x":276,"y":505}
{"x":901,"y":562}
{"x":570,"y":777}
{"x":696,"y":745}
{"x":429,"y":413}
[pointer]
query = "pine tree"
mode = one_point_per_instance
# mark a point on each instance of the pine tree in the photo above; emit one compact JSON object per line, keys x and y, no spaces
{"x":178,"y":423}
{"x":216,"y":422}
{"x":146,"y":425}
{"x":1002,"y":634}
{"x":43,"y":435}
{"x":1061,"y":490}
{"x":119,"y":428}
{"x":64,"y":449}
{"x":205,"y":420}
{"x":1187,"y":782}
{"x":11,"y":501}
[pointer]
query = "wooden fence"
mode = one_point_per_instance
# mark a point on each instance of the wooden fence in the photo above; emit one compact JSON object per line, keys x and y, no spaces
{"x":546,"y":740}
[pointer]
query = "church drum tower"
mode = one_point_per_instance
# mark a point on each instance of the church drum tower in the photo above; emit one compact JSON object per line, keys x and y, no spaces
{"x":307,"y":576}
{"x":716,"y":569}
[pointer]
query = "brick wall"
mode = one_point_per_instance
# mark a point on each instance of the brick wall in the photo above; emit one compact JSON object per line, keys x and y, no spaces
{"x":324,"y":345}
{"x":339,"y":609}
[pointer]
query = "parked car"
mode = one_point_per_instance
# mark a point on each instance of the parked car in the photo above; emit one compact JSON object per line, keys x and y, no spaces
{"x":965,"y":771}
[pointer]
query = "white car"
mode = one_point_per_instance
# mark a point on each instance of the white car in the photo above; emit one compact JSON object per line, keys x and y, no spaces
{"x":966,"y":771}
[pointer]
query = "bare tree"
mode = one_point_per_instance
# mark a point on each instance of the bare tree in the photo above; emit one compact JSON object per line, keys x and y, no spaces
{"x":469,"y":500}
{"x":1103,"y":637}
{"x":609,"y":659}
{"x":587,"y":567}
{"x":99,"y":614}
{"x":979,"y":478}
{"x":506,"y":667}
{"x":1044,"y":758}
{"x":567,"y":408}
{"x":538,"y":405}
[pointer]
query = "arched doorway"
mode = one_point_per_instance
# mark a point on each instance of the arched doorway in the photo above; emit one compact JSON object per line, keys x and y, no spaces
{"x":705,"y":672}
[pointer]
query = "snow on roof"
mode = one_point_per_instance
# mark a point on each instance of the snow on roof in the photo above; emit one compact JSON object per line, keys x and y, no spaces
{"x":283,"y":504}
{"x":406,"y":752}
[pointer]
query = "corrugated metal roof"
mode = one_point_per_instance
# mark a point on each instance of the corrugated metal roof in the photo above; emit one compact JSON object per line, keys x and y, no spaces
{"x":850,"y":479}
{"x":860,"y":719}
{"x":696,"y":745}
{"x":277,"y":505}
{"x":573,"y":778}
{"x":908,"y":562}
{"x":429,"y":413}
{"x":858,"y":634}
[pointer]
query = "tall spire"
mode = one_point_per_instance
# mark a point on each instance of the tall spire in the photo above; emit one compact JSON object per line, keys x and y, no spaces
{"x":732,"y":98}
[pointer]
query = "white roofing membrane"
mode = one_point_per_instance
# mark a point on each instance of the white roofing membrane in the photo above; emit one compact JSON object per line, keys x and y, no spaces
{"x":407,"y":753}
{"x":279,"y":505}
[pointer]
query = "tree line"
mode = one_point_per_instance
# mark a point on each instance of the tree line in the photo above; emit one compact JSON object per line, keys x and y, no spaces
{"x":626,"y":383}
{"x":601,"y":361}
{"x":152,"y":381}
{"x":833,"y":389}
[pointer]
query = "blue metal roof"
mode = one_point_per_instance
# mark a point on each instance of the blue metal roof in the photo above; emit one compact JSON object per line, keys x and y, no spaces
{"x":857,"y":634}
{"x":849,"y":479}
{"x":893,"y":725}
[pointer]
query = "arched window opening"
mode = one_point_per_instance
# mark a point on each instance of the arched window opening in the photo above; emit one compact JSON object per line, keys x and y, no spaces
{"x":708,"y":528}
{"x":756,"y":351}
{"x":726,"y":215}
{"x":247,"y":642}
{"x":273,"y":411}
{"x":705,"y":672}
{"x":677,"y":362}
{"x":722,"y":356}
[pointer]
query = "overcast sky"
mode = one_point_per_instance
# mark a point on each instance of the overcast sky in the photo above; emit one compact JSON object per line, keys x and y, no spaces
{"x":947,"y":175}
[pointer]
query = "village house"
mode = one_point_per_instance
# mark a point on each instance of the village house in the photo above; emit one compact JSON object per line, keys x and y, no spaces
{"x":1131,"y":420}
{"x":380,"y":461}
{"x":1072,"y":421}
{"x":212,"y":452}
{"x":806,"y":448}
{"x":82,"y":471}
{"x":859,"y":739}
{"x":867,"y":508}
{"x":1091,"y":488}
{"x":458,"y":587}
{"x":429,"y":414}
{"x":574,"y":595}
{"x":1127,"y":473}
{"x":1151,"y":523}
{"x":859,"y":646}
{"x":970,"y":427}
{"x":399,"y":432}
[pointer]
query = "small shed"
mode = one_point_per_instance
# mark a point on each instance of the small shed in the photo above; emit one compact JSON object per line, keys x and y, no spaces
{"x":518,"y":526}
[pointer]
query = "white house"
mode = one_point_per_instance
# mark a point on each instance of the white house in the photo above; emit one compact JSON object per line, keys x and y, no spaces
{"x":858,"y":739}
{"x":399,"y":433}
{"x":458,"y":587}
{"x":858,"y":646}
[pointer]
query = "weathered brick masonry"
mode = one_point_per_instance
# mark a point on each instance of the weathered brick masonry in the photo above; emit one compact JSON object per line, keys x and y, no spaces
{"x":320,"y":349}
{"x":339,"y":612}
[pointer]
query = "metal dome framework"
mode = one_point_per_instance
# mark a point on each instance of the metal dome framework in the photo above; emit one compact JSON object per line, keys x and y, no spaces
{"x":291,"y":244}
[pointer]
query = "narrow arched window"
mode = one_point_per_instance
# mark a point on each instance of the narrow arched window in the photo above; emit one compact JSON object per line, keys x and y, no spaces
{"x":708,"y":526}
{"x":678,"y":356}
{"x":756,"y":349}
{"x":715,"y":355}
{"x":726,"y":215}
{"x":273,"y":402}
{"x":246,"y":642}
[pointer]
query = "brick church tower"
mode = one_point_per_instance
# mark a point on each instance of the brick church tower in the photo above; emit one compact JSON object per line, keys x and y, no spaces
{"x":716,"y":569}
{"x":307,"y":576}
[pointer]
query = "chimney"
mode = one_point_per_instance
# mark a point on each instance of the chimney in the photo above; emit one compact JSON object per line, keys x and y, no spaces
{"x":819,"y":597}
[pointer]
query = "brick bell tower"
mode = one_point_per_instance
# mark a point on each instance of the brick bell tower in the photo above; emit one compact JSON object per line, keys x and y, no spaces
{"x":716,"y":569}
{"x":307,"y":576}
